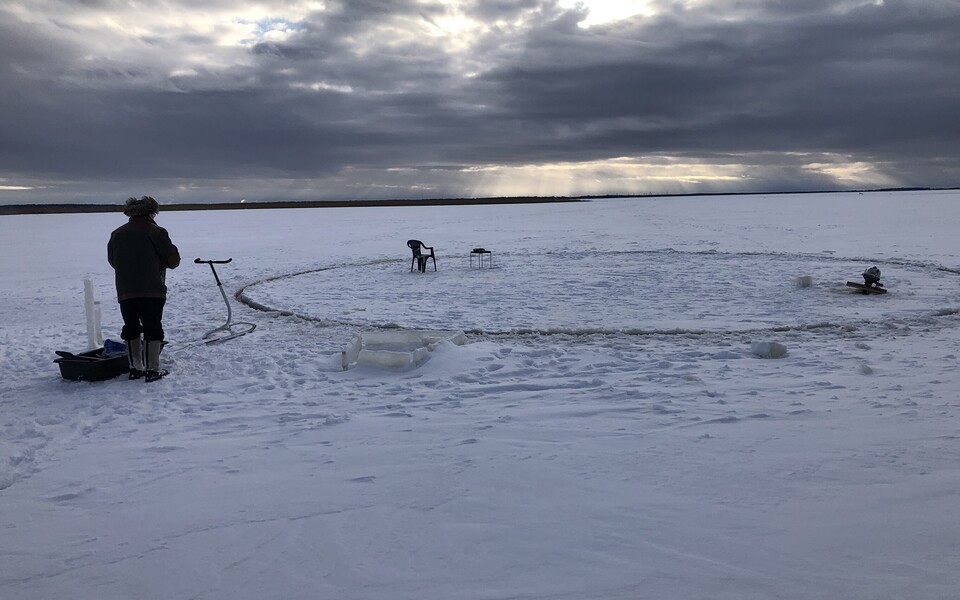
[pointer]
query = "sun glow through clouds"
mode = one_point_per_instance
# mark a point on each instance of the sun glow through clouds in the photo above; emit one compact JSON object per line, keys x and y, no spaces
{"x":849,"y":171}
{"x":605,"y":11}
{"x":625,"y":175}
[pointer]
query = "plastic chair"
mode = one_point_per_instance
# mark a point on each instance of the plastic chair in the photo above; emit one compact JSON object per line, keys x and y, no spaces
{"x":419,"y":256}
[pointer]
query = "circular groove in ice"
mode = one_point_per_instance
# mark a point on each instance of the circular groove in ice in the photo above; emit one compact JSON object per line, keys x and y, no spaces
{"x":664,"y":291}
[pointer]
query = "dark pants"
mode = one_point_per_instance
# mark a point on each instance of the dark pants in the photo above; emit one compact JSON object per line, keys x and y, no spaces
{"x":142,"y":315}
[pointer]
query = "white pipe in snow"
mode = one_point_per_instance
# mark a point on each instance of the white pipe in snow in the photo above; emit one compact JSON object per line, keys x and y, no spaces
{"x":97,"y":329}
{"x":93,"y":323}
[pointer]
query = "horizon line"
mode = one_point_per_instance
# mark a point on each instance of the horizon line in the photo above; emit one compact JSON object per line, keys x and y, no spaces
{"x":70,"y":208}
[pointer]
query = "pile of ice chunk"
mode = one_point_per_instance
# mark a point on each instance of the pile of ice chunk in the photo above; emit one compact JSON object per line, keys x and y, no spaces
{"x":399,"y":349}
{"x":768,"y":349}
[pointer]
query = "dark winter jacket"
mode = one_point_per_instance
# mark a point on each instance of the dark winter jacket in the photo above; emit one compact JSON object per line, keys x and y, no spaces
{"x":140,"y":253}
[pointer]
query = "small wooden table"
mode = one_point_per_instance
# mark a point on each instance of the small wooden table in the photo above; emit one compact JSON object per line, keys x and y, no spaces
{"x":479,"y":252}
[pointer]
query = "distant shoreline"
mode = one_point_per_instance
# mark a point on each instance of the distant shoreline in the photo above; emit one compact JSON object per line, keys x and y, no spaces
{"x":64,"y":208}
{"x":42,"y":209}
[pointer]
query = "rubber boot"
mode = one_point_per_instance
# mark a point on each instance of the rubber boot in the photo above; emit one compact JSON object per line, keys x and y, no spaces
{"x":154,"y":372}
{"x":135,"y":356}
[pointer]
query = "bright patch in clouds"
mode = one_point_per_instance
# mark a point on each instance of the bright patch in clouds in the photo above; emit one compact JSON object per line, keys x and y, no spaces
{"x":269,"y":29}
{"x":625,"y":175}
{"x":232,"y":24}
{"x":605,"y":11}
{"x":323,"y":86}
{"x":852,"y":172}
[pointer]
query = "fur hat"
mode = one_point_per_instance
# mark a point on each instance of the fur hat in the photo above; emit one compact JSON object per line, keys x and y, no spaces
{"x":141,"y":207}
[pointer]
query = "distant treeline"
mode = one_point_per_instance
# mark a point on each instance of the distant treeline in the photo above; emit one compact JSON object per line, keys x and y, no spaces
{"x":694,"y":194}
{"x":41,"y":209}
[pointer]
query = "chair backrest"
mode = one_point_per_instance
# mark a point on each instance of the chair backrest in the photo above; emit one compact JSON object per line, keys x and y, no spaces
{"x":415,"y":246}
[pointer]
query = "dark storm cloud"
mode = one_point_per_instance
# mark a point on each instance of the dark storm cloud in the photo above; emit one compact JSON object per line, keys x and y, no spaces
{"x":868,"y":81}
{"x":357,"y":86}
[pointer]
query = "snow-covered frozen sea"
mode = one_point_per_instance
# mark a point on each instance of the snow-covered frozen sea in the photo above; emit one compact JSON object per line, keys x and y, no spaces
{"x":606,"y":432}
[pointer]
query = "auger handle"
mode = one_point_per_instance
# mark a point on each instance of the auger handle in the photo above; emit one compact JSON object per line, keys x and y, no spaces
{"x":211,"y":262}
{"x":215,"y":276}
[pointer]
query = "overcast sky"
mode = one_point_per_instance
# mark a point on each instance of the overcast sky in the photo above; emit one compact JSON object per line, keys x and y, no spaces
{"x":223,"y":100}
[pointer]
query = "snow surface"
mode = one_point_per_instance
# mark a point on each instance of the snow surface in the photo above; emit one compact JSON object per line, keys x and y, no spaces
{"x":607,"y":431}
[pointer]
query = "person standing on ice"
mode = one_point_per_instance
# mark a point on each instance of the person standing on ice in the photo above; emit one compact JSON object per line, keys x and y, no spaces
{"x":140,"y":253}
